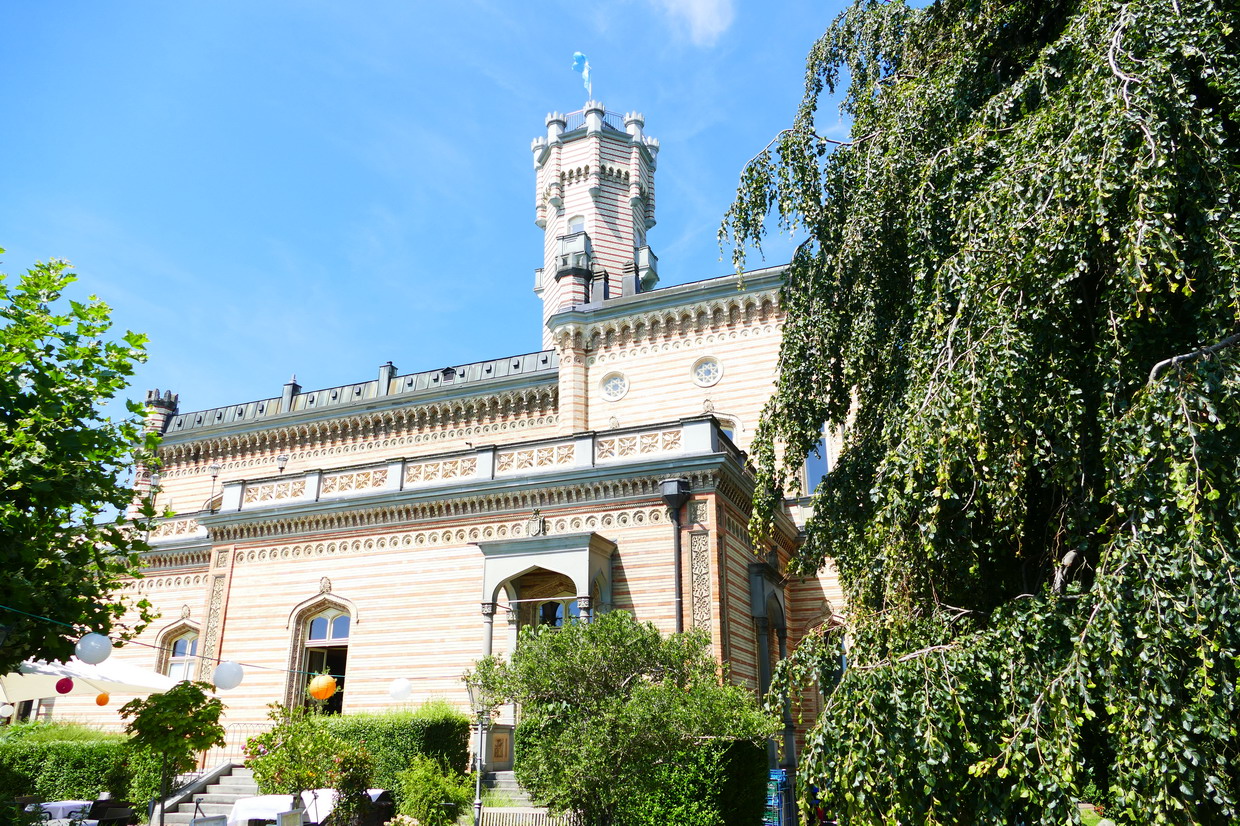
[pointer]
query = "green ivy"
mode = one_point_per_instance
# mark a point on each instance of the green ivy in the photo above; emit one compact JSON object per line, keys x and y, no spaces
{"x":1018,"y":298}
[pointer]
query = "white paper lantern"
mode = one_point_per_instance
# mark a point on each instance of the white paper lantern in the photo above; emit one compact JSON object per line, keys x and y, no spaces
{"x":6,"y":711}
{"x":93,"y":648}
{"x":400,"y":689}
{"x":227,"y":675}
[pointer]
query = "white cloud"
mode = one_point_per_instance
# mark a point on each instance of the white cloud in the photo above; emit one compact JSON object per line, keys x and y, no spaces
{"x":705,"y":19}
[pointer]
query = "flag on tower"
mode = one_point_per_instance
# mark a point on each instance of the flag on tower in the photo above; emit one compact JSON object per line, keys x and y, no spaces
{"x":582,"y":65}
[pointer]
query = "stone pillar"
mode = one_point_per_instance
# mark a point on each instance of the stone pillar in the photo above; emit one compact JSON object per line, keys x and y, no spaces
{"x":488,"y":627}
{"x":574,"y":394}
{"x":585,"y":608}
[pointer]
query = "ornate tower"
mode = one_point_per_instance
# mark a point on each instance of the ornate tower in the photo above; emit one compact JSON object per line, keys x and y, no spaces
{"x":595,"y":201}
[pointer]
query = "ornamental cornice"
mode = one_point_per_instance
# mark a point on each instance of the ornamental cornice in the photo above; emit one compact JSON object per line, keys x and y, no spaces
{"x":720,"y":316}
{"x":500,"y":411}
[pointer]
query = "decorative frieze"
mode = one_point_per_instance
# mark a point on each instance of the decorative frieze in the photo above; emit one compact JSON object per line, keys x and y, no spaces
{"x":211,"y":634}
{"x":157,"y":561}
{"x":516,"y":410}
{"x":274,"y":491}
{"x":699,"y":567}
{"x":176,"y":527}
{"x":450,"y":537}
{"x":510,"y":461}
{"x":360,"y":480}
{"x":734,"y":317}
{"x":424,"y":472}
{"x":642,"y":444}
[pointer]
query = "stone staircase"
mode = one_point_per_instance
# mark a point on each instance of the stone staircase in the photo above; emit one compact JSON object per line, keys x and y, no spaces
{"x":216,"y":799}
{"x":506,"y":784}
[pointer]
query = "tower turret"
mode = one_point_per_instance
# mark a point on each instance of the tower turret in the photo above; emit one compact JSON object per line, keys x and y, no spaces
{"x":594,"y":199}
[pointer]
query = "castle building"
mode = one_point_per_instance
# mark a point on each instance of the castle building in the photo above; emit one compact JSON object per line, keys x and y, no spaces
{"x":405,"y":525}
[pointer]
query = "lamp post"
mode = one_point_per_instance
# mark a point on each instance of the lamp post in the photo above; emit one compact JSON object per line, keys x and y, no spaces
{"x":675,"y":494}
{"x":215,"y":474}
{"x":480,"y":702}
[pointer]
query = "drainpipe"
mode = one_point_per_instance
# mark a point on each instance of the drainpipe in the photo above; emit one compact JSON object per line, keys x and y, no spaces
{"x":675,"y":494}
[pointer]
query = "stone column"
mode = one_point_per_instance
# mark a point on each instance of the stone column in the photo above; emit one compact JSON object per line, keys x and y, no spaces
{"x":488,"y":627}
{"x":585,"y":608}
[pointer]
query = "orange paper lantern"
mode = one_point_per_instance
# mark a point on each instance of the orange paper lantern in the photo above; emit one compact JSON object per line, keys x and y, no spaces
{"x":322,"y":687}
{"x":102,"y":699}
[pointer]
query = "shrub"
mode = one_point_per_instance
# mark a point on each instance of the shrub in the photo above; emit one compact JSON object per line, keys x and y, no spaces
{"x":63,"y":770}
{"x":432,"y":794}
{"x":395,"y":738}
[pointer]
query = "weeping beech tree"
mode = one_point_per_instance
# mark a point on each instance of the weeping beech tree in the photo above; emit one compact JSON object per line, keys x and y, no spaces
{"x":1018,"y":296}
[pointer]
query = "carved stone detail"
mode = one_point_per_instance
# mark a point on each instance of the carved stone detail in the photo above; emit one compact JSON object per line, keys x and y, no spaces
{"x":698,"y":512}
{"x":643,"y":444}
{"x":536,"y":457}
{"x":211,"y":634}
{"x":699,"y":566}
{"x":184,"y":612}
{"x":274,"y":491}
{"x":446,"y":469}
{"x":325,"y":586}
{"x":359,"y":480}
{"x":175,"y":527}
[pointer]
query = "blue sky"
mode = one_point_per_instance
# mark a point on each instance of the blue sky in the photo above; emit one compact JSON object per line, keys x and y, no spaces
{"x":318,"y":187}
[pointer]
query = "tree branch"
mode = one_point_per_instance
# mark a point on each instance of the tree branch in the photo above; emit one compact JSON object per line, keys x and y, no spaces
{"x":1175,"y":361}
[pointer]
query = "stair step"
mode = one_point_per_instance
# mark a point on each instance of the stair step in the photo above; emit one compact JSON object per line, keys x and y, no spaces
{"x":212,"y":808}
{"x":215,"y":795}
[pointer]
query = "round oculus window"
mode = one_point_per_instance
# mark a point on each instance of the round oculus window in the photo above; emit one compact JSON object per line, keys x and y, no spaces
{"x":707,"y":371}
{"x":614,"y":386}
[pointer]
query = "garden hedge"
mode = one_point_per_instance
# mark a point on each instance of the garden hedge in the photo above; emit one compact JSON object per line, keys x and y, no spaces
{"x":64,"y":770}
{"x":394,"y":739}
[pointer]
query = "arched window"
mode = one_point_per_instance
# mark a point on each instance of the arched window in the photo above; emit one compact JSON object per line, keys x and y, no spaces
{"x":183,"y":657}
{"x":327,"y":651}
{"x":176,"y":651}
{"x":576,"y":224}
{"x":554,"y":611}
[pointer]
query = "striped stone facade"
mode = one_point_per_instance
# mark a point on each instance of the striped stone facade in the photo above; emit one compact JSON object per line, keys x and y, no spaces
{"x":442,"y":510}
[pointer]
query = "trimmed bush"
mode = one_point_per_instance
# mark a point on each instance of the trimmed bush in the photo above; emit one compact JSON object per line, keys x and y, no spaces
{"x":64,"y":770}
{"x":395,"y":739}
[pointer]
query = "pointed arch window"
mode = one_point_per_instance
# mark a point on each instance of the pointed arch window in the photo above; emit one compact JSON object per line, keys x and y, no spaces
{"x":183,"y":656}
{"x":326,"y":651}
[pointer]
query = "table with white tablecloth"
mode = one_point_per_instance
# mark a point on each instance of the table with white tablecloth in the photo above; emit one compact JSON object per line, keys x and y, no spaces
{"x":316,"y":803}
{"x":57,"y":809}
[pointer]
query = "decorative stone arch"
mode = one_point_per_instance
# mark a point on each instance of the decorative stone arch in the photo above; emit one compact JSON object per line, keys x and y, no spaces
{"x":296,"y":625}
{"x":583,"y":558}
{"x":167,"y":635}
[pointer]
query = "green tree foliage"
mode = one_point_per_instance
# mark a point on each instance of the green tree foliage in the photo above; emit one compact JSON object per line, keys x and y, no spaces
{"x":300,"y":754}
{"x":175,"y":726}
{"x":66,"y":544}
{"x":1018,"y":294}
{"x":606,"y":705}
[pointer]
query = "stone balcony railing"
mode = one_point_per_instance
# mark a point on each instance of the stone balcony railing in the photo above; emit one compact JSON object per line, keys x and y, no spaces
{"x":615,"y":447}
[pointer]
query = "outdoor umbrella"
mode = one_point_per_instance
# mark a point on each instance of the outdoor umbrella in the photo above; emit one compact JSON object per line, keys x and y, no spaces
{"x":36,"y":679}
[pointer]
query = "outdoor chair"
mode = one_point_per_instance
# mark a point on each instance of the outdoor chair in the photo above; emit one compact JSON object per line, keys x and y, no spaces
{"x":123,"y":816}
{"x":31,"y":800}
